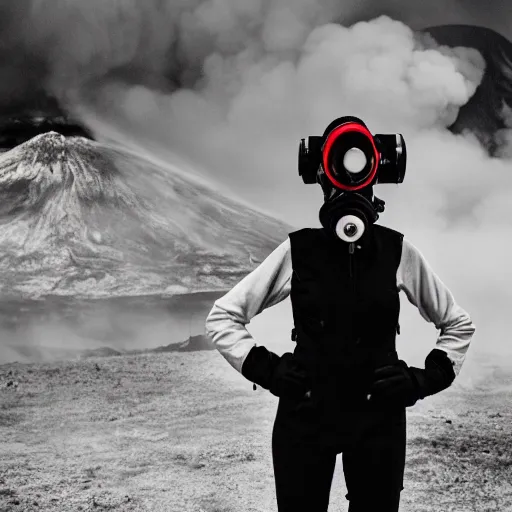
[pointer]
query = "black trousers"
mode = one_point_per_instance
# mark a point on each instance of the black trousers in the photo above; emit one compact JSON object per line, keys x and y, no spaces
{"x":373,"y":447}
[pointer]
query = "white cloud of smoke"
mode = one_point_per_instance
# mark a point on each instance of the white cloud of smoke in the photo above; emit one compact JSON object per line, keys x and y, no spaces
{"x":245,"y":120}
{"x":250,"y":78}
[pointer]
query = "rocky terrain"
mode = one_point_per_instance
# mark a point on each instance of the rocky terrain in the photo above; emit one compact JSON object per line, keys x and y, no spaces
{"x":183,"y":431}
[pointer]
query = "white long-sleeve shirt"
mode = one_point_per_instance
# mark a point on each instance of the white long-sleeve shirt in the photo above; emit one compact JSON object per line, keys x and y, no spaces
{"x":270,"y":283}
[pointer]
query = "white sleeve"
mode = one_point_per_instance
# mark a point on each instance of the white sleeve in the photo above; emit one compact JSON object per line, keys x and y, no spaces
{"x":436,"y":304}
{"x":264,"y":287}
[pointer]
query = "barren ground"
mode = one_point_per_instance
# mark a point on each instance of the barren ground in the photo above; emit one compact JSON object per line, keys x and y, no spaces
{"x":185,"y":432}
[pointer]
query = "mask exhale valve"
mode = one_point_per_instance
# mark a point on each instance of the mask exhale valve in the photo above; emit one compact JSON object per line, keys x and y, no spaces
{"x":350,"y":228}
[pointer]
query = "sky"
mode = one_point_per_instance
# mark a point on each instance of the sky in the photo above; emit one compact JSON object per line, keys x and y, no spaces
{"x":233,"y":85}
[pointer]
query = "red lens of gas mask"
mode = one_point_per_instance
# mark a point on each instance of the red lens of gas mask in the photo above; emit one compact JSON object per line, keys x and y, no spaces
{"x":339,"y":142}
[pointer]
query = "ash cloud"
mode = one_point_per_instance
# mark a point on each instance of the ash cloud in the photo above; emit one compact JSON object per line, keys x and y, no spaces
{"x":164,"y":43}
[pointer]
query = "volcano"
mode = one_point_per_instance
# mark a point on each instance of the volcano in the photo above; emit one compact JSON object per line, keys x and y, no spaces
{"x":103,"y":247}
{"x":84,"y":219}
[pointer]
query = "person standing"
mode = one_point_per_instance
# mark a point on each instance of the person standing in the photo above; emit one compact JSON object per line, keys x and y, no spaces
{"x":344,"y":388}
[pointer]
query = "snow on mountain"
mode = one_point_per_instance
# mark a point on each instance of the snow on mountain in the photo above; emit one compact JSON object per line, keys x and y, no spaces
{"x":84,"y":219}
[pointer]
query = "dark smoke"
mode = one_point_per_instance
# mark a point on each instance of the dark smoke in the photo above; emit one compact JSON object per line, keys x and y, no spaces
{"x":76,"y":46}
{"x":70,"y":45}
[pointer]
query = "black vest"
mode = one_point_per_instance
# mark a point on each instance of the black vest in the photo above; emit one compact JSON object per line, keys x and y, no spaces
{"x":346,"y":306}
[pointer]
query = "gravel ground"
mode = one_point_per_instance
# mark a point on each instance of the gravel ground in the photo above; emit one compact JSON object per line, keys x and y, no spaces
{"x":185,"y":432}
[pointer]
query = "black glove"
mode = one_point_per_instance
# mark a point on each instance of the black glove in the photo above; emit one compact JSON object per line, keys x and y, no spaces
{"x":394,"y":384}
{"x":437,"y":375}
{"x":259,"y":366}
{"x":404,"y":385}
{"x":289,"y":379}
{"x":280,"y":375}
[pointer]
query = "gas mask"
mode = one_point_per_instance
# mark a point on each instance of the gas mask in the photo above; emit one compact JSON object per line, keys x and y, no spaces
{"x":347,"y":161}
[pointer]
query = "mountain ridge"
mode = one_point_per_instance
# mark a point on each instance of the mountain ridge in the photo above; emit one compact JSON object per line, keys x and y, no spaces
{"x":83,"y":218}
{"x":488,"y":112}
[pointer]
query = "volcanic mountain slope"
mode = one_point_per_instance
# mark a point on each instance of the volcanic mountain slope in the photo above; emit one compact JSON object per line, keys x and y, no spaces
{"x":80,"y":218}
{"x":488,"y":111}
